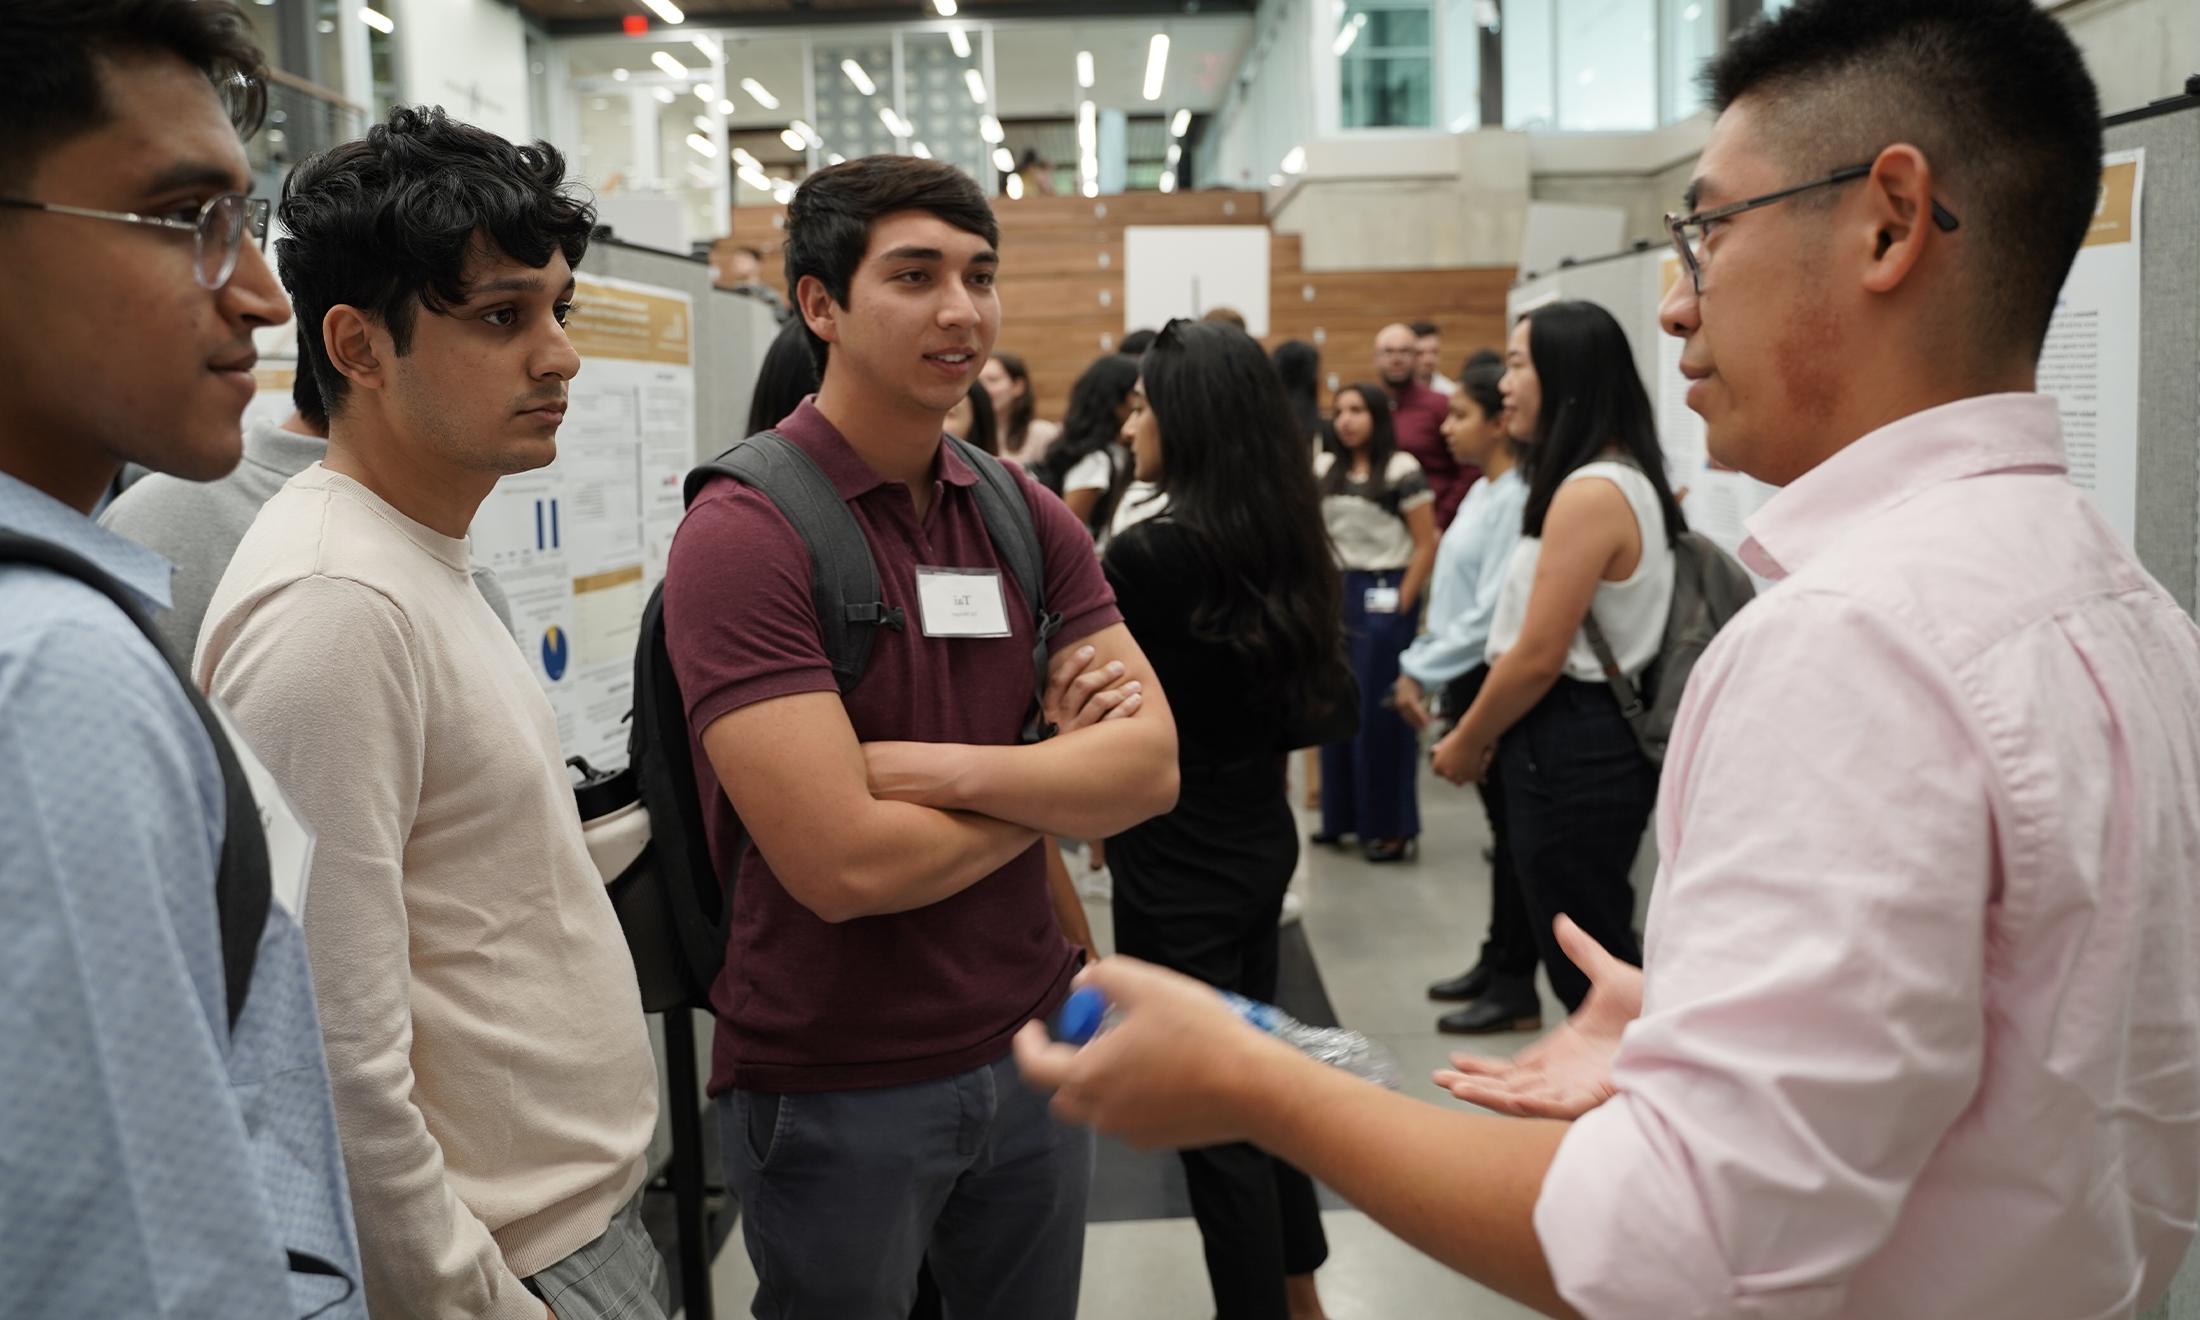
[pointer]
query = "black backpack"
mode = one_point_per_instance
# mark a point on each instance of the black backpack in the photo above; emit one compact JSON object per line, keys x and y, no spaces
{"x":670,"y":902}
{"x":243,"y":883}
{"x":1709,"y":588}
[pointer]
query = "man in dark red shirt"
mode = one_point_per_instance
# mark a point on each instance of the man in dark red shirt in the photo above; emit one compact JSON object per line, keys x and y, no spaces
{"x":1418,"y":414}
{"x":891,"y":923}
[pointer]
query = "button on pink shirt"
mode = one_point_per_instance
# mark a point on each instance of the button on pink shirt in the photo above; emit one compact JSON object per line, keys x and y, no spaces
{"x":1921,"y":1025}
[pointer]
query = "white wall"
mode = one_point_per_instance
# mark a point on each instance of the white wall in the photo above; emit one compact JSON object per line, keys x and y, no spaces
{"x":2137,"y":50}
{"x":468,"y":56}
{"x":1273,"y":105}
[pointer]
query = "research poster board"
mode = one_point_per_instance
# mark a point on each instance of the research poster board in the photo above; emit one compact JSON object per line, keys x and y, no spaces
{"x":579,"y":545}
{"x":2090,"y":362}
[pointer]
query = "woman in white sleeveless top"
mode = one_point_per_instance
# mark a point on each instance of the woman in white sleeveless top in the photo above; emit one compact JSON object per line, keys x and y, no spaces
{"x":1597,"y":534}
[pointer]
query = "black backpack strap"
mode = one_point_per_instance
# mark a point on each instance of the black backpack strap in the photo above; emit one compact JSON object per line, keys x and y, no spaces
{"x":843,"y":579}
{"x":1015,"y":535}
{"x":243,"y":884}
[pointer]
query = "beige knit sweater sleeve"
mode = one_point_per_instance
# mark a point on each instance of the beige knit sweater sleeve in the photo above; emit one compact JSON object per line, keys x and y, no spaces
{"x":322,"y":676}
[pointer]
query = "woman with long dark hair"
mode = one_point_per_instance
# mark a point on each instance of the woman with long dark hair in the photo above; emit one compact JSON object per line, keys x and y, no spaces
{"x":786,"y":377}
{"x":1024,"y":437}
{"x":1299,"y":367}
{"x":1596,"y":545}
{"x":1085,"y":465}
{"x":1382,"y":520}
{"x":972,"y":420}
{"x":1232,"y":593}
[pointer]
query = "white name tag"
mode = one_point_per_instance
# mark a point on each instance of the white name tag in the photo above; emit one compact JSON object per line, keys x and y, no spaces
{"x":1382,"y":600}
{"x":289,"y":838}
{"x":961,"y":602}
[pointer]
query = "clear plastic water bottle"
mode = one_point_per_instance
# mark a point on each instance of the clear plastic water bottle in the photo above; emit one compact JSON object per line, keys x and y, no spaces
{"x":1086,"y":1014}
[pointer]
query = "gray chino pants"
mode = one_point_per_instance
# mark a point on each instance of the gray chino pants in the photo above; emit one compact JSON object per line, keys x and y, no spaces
{"x":844,"y":1193}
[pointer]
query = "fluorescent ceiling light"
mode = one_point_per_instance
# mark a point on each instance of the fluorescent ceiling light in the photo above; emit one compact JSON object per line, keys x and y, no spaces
{"x":921,"y":151}
{"x":672,"y":67}
{"x":1168,"y":181}
{"x":1275,"y":181}
{"x":1178,"y":125}
{"x":376,"y":19}
{"x":859,"y":77}
{"x":989,"y":128}
{"x":725,"y":108}
{"x":783,"y":192}
{"x":703,"y":125}
{"x":1176,"y":153}
{"x":705,"y":93}
{"x":808,"y":133}
{"x":946,"y":8}
{"x":835,"y":158}
{"x":1294,"y":161}
{"x":792,"y":139}
{"x":975,"y":81}
{"x":703,"y":145}
{"x":1157,"y":65}
{"x":1088,"y":126}
{"x":701,"y":175}
{"x":706,"y":47}
{"x":757,"y":94}
{"x":960,"y":40}
{"x":665,"y":10}
{"x":1003,"y":161}
{"x":1015,"y":187}
{"x":620,"y":75}
{"x":755,"y":178}
{"x":1092,"y":188}
{"x":742,"y":158}
{"x":1348,"y":34}
{"x":1084,"y":68}
{"x":666,"y":95}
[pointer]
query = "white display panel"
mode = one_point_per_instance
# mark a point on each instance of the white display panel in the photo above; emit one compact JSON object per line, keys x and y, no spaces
{"x":1189,"y":270}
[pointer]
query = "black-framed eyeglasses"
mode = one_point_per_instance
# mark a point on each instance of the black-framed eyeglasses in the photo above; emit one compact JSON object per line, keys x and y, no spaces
{"x":219,"y":231}
{"x":1689,"y":231}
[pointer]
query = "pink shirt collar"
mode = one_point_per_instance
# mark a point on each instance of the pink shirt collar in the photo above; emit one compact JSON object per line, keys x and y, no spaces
{"x":1968,"y":438}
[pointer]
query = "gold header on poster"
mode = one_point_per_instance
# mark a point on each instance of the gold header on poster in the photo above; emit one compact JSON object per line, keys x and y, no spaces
{"x":611,"y":322}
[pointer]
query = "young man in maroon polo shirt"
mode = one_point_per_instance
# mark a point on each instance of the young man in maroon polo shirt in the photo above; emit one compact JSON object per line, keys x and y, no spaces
{"x":891,"y":925}
{"x":1418,"y":414}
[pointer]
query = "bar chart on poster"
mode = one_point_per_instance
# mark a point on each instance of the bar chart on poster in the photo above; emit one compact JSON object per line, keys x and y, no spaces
{"x":579,"y":545}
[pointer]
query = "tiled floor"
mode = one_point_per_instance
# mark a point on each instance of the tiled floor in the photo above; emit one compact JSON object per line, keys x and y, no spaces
{"x":1379,"y":934}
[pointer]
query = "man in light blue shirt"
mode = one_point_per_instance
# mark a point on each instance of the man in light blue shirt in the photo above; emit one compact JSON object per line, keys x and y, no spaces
{"x":1448,"y":662}
{"x":158,"y":1160}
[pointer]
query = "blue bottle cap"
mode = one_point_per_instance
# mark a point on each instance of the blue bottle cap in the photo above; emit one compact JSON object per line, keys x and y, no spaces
{"x":1081,"y":1015}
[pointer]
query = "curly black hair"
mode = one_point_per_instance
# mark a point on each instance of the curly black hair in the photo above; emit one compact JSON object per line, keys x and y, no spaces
{"x":386,"y":223}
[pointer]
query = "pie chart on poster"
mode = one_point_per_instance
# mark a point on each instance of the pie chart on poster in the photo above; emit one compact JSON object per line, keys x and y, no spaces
{"x":555,"y":652}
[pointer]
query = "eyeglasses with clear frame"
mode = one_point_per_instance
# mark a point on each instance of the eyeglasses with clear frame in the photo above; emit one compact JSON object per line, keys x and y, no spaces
{"x":1690,"y":231}
{"x":219,"y":231}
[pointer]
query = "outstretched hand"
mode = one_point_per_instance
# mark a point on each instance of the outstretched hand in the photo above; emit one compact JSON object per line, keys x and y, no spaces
{"x":1569,"y":1072}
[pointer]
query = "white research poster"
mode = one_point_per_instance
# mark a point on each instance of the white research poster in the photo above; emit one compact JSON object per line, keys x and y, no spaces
{"x":2090,"y":362}
{"x":579,"y":545}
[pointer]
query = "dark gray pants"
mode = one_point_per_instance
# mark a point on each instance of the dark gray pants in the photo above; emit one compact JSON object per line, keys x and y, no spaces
{"x":619,"y":1276}
{"x":844,"y":1193}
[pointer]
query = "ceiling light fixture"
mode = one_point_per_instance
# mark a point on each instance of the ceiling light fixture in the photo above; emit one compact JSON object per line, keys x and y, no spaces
{"x":757,"y":94}
{"x":1275,"y":181}
{"x":859,"y":77}
{"x":975,"y":81}
{"x":945,"y":8}
{"x":792,"y":139}
{"x":376,"y":19}
{"x":1178,"y":125}
{"x":755,"y":178}
{"x":1092,"y":188}
{"x":1168,"y":181}
{"x":707,"y":47}
{"x":1348,"y":34}
{"x":920,"y":151}
{"x":989,"y":128}
{"x":725,"y":108}
{"x":960,"y":40}
{"x":672,"y":67}
{"x":620,"y":75}
{"x":666,"y":95}
{"x":1176,"y":153}
{"x":703,"y":124}
{"x":1015,"y":187}
{"x":703,"y":145}
{"x":809,"y":134}
{"x":1294,"y":161}
{"x":835,"y":158}
{"x":742,"y":158}
{"x":1003,"y":161}
{"x":1088,"y":126}
{"x":1157,"y":65}
{"x":665,"y":10}
{"x":1084,"y":68}
{"x":705,"y":93}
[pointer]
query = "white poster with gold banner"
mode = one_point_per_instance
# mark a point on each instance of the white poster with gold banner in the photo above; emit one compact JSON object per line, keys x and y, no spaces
{"x":579,"y":545}
{"x":2090,"y":363}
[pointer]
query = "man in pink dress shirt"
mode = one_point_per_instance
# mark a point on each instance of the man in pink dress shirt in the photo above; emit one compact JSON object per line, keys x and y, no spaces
{"x":1918,"y":1030}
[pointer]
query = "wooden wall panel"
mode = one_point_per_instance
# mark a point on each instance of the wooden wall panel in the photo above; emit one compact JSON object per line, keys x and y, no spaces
{"x":1062,"y":285}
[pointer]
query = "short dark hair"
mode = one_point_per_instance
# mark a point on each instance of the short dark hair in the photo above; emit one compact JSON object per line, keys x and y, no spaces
{"x":1136,"y":342}
{"x":1994,"y":93}
{"x":787,"y":375}
{"x":829,"y":221}
{"x":1423,"y":329}
{"x":1017,"y":425}
{"x":385,"y":223}
{"x":305,"y":392}
{"x":49,"y":65}
{"x":985,"y":426}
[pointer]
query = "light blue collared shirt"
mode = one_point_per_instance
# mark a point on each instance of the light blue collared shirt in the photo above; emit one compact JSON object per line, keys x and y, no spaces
{"x":1470,"y":571}
{"x":152,"y":1162}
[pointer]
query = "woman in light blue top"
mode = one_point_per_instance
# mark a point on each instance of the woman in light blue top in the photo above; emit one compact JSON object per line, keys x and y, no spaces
{"x":1445,"y":667}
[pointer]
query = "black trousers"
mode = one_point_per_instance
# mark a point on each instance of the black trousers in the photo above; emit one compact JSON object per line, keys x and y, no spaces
{"x":1199,"y":891}
{"x":1510,"y":948}
{"x":1578,"y":792}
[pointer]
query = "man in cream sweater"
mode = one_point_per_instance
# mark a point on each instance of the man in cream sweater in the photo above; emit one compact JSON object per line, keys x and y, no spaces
{"x":494,"y":1088}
